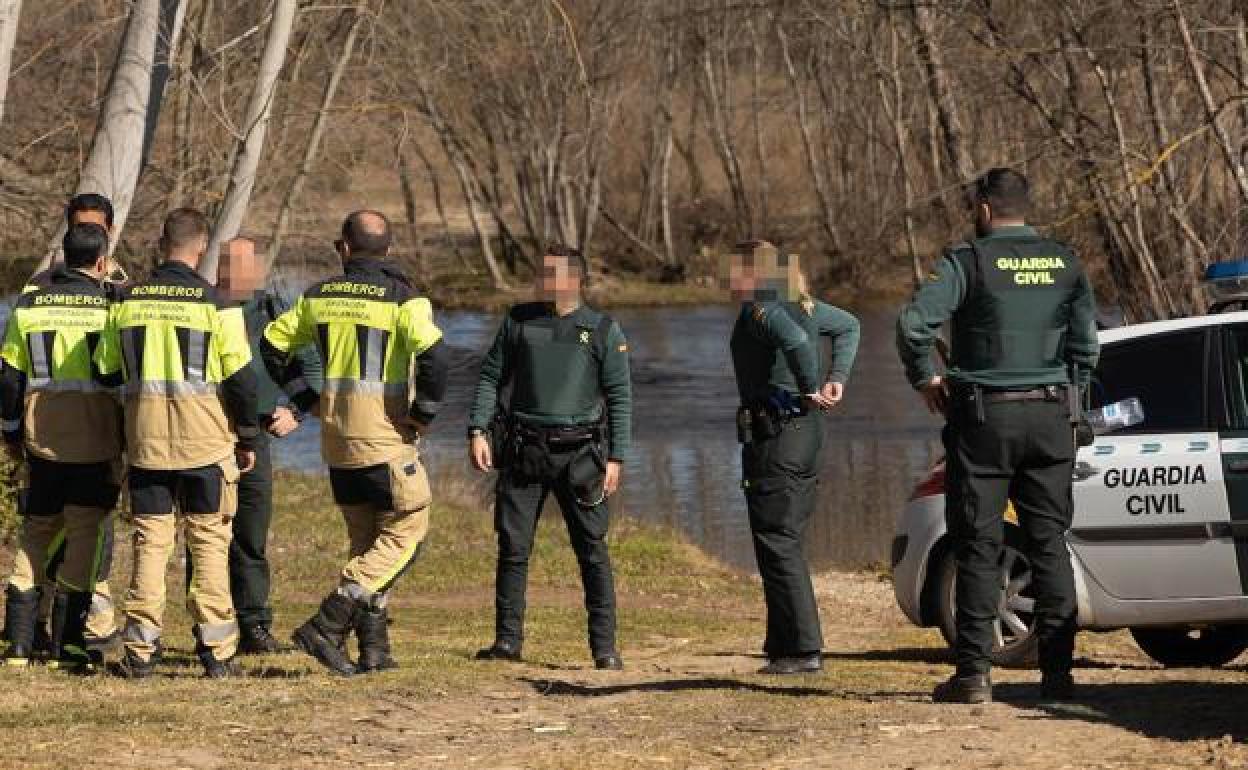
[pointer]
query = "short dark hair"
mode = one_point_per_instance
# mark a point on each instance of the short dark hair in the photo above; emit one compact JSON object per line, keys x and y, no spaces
{"x":576,"y":258}
{"x":182,"y":226}
{"x":1006,"y":191}
{"x":90,"y":202}
{"x":361,"y":232}
{"x":84,"y":244}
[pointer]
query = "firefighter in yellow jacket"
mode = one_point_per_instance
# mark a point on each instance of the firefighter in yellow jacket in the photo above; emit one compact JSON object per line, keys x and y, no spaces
{"x":67,"y":429}
{"x":43,"y":536}
{"x":190,"y":403}
{"x":368,"y":327}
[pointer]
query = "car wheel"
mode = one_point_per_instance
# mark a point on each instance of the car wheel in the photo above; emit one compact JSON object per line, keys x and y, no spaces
{"x":1016,"y":645}
{"x":1207,"y":647}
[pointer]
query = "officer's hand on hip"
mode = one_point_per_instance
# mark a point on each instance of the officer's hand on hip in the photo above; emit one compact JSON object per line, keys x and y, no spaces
{"x":832,"y":392}
{"x":612,"y":482}
{"x":479,"y":453}
{"x":935,"y":394}
{"x":246,"y":459}
{"x":283,"y":422}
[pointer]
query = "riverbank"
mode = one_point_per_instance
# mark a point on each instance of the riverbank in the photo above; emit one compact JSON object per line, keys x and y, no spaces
{"x":689,"y":633}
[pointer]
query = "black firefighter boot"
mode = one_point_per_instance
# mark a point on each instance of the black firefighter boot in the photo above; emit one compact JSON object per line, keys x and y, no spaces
{"x":20,"y":611}
{"x":324,"y":636}
{"x":371,"y":628}
{"x":69,"y":615}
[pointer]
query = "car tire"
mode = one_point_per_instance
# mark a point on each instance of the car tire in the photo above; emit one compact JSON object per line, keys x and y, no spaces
{"x":1017,"y":645}
{"x":1208,"y":647}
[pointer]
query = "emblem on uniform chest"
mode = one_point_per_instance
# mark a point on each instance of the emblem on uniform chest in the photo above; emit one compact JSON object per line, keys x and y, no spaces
{"x":584,"y":336}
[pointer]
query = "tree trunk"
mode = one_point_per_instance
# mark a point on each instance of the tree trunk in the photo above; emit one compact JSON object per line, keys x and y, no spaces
{"x":116,"y":158}
{"x":1229,"y":152}
{"x":10,"y":14}
{"x":813,"y":163}
{"x":942,"y":91}
{"x":314,"y":139}
{"x":255,"y":129}
{"x":172,"y":17}
{"x":892,"y":98}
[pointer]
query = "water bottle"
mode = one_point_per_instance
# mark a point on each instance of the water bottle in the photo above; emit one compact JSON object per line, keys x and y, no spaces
{"x":1117,"y":416}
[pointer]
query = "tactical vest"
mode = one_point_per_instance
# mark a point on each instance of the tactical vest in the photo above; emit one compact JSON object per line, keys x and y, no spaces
{"x":1017,"y":307}
{"x":555,"y":373}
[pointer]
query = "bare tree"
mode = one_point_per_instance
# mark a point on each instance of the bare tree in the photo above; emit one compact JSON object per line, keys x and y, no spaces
{"x":252,"y":142}
{"x":286,"y":213}
{"x":10,"y":14}
{"x":116,"y":159}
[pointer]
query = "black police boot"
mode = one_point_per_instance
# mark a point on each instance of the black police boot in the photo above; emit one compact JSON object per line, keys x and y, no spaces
{"x":70,"y":610}
{"x":794,"y":664}
{"x":43,"y":639}
{"x":131,"y":666}
{"x":608,"y":661}
{"x":501,"y":650}
{"x":1057,"y":686}
{"x":259,"y":640}
{"x":371,"y":629}
{"x":20,"y":611}
{"x":324,"y":636}
{"x":969,"y":688}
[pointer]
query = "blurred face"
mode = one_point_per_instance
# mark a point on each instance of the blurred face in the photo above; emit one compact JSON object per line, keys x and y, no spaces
{"x":559,"y":279}
{"x":241,"y":272}
{"x":89,"y":217}
{"x":753,"y":278}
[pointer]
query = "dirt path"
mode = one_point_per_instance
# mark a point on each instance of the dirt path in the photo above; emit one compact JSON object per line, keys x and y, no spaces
{"x":684,"y":703}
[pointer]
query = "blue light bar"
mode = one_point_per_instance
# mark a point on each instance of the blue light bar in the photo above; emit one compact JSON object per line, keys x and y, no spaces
{"x":1221,"y":271}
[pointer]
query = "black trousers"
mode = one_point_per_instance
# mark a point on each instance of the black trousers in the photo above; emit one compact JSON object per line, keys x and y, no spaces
{"x":518,"y":504}
{"x":1024,"y":452}
{"x":249,"y":561}
{"x":781,"y":481}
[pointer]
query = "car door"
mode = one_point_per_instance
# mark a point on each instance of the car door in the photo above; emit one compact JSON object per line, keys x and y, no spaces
{"x":1151,"y":511}
{"x":1233,"y":353}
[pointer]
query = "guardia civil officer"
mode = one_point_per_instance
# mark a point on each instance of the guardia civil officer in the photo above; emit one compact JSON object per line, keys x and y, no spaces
{"x":67,"y":429}
{"x":243,"y":278}
{"x":369,"y":327}
{"x":555,"y":392}
{"x":44,"y":536}
{"x":1023,"y":334}
{"x":784,"y":385}
{"x":190,"y":416}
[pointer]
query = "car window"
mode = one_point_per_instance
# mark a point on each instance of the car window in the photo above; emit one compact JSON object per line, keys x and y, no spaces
{"x":1165,"y":372}
{"x":1237,"y":374}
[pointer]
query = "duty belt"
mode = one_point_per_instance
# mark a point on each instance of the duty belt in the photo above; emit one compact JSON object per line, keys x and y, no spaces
{"x":558,"y":435}
{"x":1046,"y":393}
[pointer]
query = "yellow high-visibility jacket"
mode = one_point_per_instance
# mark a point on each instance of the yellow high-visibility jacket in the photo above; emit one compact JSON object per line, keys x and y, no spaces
{"x":183,"y":357}
{"x":370,"y":330}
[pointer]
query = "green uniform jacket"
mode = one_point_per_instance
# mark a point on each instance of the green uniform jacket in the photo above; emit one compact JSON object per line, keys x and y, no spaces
{"x":947,"y":291}
{"x":778,"y":345}
{"x":559,"y":372}
{"x":259,"y":313}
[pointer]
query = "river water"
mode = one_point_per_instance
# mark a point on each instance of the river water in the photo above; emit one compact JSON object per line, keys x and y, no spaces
{"x":685,"y":469}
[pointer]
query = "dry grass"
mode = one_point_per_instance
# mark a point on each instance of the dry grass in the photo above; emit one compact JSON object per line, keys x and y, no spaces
{"x":689,"y":630}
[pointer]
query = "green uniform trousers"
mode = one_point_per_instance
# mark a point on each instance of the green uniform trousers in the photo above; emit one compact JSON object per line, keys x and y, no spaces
{"x":1024,"y":452}
{"x":781,"y":482}
{"x":249,"y":560}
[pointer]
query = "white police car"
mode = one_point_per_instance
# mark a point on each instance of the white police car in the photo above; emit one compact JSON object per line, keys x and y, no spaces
{"x":1159,"y":542}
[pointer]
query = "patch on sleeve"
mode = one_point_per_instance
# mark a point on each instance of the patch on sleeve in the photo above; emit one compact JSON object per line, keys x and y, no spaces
{"x":623,"y":348}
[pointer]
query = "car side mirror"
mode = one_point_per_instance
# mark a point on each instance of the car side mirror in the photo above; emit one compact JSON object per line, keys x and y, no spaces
{"x":1114,"y":417}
